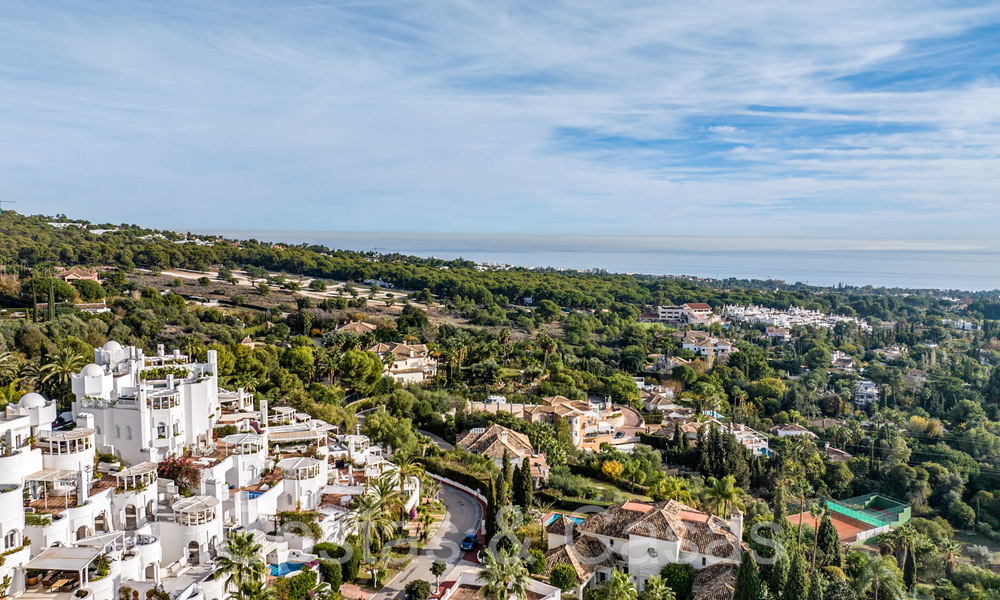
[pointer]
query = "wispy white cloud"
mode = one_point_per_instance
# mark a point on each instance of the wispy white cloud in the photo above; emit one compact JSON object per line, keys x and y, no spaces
{"x":731,"y":118}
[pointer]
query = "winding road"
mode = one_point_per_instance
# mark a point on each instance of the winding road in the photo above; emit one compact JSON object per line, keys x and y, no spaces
{"x":464,"y":513}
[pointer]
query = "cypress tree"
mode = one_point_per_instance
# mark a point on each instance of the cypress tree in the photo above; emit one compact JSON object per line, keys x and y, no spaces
{"x":523,"y":485}
{"x":910,"y":570}
{"x":815,"y":587}
{"x":829,"y":543}
{"x":779,"y":575}
{"x":502,"y":492}
{"x":748,"y":585}
{"x":491,"y":511}
{"x":798,"y":578}
{"x":52,"y":300}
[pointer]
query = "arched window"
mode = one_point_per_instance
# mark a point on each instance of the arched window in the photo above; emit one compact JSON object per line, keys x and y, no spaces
{"x":161,"y":430}
{"x":118,"y":432}
{"x":10,"y":540}
{"x":177,"y":428}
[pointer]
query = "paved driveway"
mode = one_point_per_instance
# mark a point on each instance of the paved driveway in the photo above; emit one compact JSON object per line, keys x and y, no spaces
{"x":464,"y":514}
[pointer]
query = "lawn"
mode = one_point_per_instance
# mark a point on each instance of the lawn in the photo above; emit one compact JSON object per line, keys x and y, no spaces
{"x":604,"y":485}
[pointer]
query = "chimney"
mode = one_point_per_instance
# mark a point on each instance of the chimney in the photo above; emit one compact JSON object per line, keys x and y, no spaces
{"x":170,"y":381}
{"x":263,"y":413}
{"x":213,"y":357}
{"x":177,"y":353}
{"x":159,"y":350}
{"x":736,"y":524}
{"x":503,"y":434}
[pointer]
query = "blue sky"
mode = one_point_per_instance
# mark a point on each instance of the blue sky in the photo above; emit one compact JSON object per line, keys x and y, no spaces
{"x":855,"y":119}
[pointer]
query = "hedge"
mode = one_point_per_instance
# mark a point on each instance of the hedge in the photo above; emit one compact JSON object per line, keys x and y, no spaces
{"x":568,"y":502}
{"x":456,"y":473}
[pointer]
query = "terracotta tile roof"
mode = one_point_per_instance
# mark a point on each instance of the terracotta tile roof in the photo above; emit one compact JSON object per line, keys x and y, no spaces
{"x":359,"y":327}
{"x":493,"y":443}
{"x":399,"y":351}
{"x":585,"y":556}
{"x":717,"y":582}
{"x":562,"y":525}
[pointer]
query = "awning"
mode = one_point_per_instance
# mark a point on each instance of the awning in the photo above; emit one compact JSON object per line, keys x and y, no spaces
{"x":65,"y":558}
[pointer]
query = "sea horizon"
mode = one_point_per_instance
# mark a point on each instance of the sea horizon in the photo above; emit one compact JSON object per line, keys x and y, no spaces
{"x":968,"y":265}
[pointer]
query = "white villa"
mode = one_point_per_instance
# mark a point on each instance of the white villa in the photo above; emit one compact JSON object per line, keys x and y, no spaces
{"x":406,"y":363}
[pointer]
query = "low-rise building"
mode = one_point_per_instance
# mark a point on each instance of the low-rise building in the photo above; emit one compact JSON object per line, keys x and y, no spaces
{"x":639,"y":539}
{"x":866,"y":393}
{"x":406,"y":363}
{"x":498,"y":441}
{"x":705,"y":344}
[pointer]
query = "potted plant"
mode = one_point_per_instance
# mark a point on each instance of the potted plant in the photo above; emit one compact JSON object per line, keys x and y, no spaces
{"x":33,"y":576}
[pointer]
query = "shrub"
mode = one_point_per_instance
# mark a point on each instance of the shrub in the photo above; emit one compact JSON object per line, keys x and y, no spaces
{"x":537,"y":562}
{"x":680,"y":578}
{"x":418,"y":589}
{"x":563,"y":577}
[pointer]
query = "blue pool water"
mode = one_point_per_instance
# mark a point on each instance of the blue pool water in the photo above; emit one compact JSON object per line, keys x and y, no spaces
{"x":555,"y":516}
{"x":253,"y":495}
{"x":282,"y":569}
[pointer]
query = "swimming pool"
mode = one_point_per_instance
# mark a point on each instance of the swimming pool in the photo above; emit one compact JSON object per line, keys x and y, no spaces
{"x":555,"y":516}
{"x":282,"y":569}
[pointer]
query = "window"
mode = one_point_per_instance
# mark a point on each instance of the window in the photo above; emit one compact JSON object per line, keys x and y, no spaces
{"x":10,"y":540}
{"x":118,"y":432}
{"x":703,"y":561}
{"x":161,"y":430}
{"x":177,"y":428}
{"x":128,"y":432}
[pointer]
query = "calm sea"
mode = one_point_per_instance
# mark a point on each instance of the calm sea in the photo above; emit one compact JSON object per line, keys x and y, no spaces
{"x":960,"y":265}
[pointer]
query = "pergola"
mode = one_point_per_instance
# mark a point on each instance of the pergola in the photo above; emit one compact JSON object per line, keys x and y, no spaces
{"x":136,"y":476}
{"x":66,"y":559}
{"x":41,"y":479}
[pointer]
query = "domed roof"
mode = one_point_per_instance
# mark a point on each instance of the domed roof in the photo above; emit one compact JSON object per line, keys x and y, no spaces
{"x":92,"y":370}
{"x":112,"y":346}
{"x":31,"y":400}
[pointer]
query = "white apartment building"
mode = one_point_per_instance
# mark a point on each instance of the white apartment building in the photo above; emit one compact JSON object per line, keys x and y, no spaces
{"x":691,"y":313}
{"x":148,"y":407}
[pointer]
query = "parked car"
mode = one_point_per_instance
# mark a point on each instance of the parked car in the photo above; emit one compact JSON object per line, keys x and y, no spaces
{"x":470,"y":541}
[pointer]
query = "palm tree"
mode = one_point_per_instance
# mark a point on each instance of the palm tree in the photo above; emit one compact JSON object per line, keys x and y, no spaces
{"x":879,"y":573}
{"x":9,"y":366}
{"x":675,"y":488}
{"x":657,"y":589}
{"x":240,"y":561}
{"x":723,"y":494}
{"x":60,"y":368}
{"x":426,"y":521}
{"x":618,"y":587}
{"x":950,"y":551}
{"x":408,"y":468}
{"x":504,"y":575}
{"x":548,"y":346}
{"x":371,"y":521}
{"x":385,"y":492}
{"x":255,"y":590}
{"x":803,"y":488}
{"x":817,"y":513}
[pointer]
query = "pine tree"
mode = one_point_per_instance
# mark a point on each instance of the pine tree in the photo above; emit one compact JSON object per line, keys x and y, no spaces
{"x":829,"y":543}
{"x":910,"y":570}
{"x":815,"y":587}
{"x":748,"y":585}
{"x":798,"y":578}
